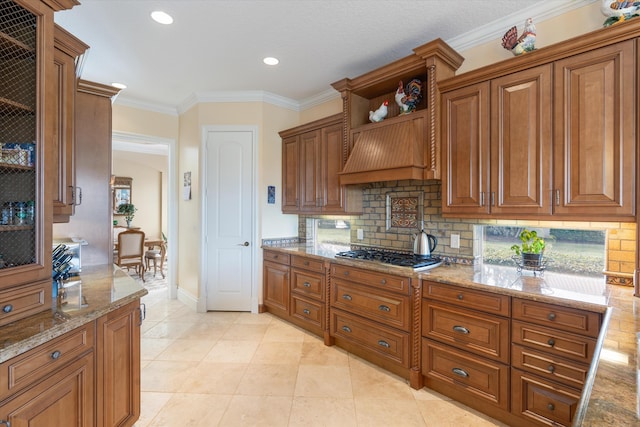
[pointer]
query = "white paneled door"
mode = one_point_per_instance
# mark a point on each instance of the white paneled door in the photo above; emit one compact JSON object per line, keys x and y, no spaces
{"x":228,"y":211}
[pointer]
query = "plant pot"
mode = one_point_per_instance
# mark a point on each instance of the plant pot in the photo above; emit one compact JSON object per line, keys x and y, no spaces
{"x":531,"y":260}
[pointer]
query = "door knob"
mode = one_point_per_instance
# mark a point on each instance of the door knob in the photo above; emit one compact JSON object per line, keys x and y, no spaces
{"x":243,"y":244}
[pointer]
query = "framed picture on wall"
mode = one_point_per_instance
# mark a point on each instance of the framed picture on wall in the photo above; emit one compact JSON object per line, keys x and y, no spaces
{"x":121,"y":192}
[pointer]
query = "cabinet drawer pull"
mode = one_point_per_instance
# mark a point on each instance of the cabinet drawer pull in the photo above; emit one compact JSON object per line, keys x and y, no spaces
{"x":6,"y":423}
{"x":551,"y":407}
{"x":460,"y":296}
{"x":551,"y":369}
{"x":346,"y":273}
{"x":383,"y":281}
{"x":306,"y":263}
{"x":56,"y":355}
{"x":275,"y":257}
{"x":384,"y":308}
{"x":551,"y":316}
{"x":347,"y":297}
{"x":346,"y":329}
{"x":551,"y":342}
{"x":460,"y":372}
{"x":306,"y":284}
{"x":7,"y":308}
{"x":461,"y":329}
{"x":384,"y":344}
{"x":306,"y":311}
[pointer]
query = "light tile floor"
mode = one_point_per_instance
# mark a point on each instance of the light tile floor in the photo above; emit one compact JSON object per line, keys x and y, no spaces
{"x":242,"y":369}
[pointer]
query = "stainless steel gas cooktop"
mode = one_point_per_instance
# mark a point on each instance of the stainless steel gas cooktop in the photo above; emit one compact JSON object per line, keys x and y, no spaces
{"x":418,"y":263}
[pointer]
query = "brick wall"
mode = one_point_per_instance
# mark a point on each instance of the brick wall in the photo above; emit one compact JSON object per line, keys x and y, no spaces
{"x":620,"y":244}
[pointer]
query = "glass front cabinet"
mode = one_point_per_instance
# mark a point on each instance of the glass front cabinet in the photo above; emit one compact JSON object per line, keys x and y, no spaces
{"x":27,"y":96}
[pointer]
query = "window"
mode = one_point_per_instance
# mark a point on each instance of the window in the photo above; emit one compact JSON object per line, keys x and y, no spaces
{"x":568,"y":251}
{"x":333,"y":231}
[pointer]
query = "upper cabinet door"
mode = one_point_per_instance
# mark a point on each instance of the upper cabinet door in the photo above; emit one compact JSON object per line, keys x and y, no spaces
{"x":521,"y":147}
{"x":310,"y":176}
{"x":595,"y":119}
{"x":290,"y":183}
{"x":332,"y":164}
{"x":26,"y":47}
{"x":465,"y":130}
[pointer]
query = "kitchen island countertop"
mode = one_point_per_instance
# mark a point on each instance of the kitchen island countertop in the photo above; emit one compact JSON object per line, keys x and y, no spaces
{"x":612,"y":397}
{"x":97,"y":291}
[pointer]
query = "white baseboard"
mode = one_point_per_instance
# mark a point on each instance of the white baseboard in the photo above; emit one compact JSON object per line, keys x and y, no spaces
{"x":187,"y":299}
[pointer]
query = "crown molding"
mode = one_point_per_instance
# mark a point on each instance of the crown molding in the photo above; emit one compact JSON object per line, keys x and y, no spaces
{"x":238,"y":96}
{"x":318,"y":99}
{"x":496,"y":29}
{"x":144,"y":105}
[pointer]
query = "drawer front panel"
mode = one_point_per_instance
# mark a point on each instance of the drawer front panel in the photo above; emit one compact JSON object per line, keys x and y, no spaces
{"x":28,"y":368}
{"x":307,"y":263}
{"x":479,"y":377}
{"x":310,"y":312}
{"x":386,"y":342}
{"x":549,"y":366}
{"x":309,"y":284}
{"x":278,"y":257}
{"x":371,"y":278}
{"x":467,"y":298}
{"x":388,"y":308}
{"x":541,"y":400}
{"x":555,"y":316}
{"x":560,"y":343}
{"x":17,"y":303}
{"x":473,"y":331}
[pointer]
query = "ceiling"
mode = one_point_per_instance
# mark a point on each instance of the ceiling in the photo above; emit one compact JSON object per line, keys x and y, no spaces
{"x":217,"y":46}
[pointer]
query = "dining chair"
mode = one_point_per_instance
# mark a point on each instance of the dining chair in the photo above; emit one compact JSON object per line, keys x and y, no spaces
{"x":156,"y":256}
{"x":131,"y":251}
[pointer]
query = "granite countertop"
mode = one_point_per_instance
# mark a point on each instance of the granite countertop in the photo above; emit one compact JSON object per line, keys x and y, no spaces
{"x":610,"y":396}
{"x":96,"y":292}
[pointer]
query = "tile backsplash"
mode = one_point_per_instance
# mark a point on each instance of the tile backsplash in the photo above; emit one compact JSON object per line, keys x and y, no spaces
{"x":621,"y":241}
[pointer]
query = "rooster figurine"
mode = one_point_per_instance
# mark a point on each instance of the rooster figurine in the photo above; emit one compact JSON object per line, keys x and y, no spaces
{"x":379,"y":114}
{"x":524,"y":43}
{"x":408,"y":98}
{"x":619,"y":11}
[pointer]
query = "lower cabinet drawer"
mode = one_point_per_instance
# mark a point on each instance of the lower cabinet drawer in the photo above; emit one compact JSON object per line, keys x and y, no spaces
{"x":20,"y":302}
{"x":311,"y":313}
{"x":472,"y":375}
{"x":389,"y":343}
{"x":576,"y":347}
{"x":541,"y":400}
{"x":481,"y":333}
{"x":30,"y":367}
{"x":308,"y":284}
{"x":549,"y":366}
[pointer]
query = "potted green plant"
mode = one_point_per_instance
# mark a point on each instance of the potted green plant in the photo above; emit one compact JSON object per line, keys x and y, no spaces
{"x":531,"y":249}
{"x":128,"y":210}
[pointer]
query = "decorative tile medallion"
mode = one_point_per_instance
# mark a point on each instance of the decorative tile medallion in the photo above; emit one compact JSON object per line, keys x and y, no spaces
{"x":404,"y":212}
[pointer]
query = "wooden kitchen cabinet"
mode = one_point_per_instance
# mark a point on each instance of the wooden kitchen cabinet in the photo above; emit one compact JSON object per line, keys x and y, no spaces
{"x":67,"y":58}
{"x":275,"y":277}
{"x":498,"y":146}
{"x":312,"y":157}
{"x":548,"y":134}
{"x":118,"y":366}
{"x":26,"y":82}
{"x":52,"y":384}
{"x":308,"y":290}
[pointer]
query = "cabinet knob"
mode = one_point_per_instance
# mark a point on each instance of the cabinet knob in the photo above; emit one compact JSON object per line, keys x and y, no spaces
{"x":7,"y":308}
{"x":384,"y":308}
{"x":551,"y":342}
{"x":551,"y":406}
{"x":306,"y":284}
{"x":306,"y":311}
{"x":551,"y":368}
{"x":383,"y":281}
{"x":551,"y":316}
{"x":347,"y":297}
{"x":346,"y":273}
{"x":56,"y":355}
{"x":460,"y":296}
{"x":460,"y":372}
{"x":384,"y":344}
{"x":346,"y":329}
{"x":306,"y":263}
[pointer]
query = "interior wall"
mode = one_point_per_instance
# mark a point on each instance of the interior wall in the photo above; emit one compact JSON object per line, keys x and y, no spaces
{"x":148,"y":189}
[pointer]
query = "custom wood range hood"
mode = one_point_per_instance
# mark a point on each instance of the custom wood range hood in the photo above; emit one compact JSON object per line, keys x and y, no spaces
{"x":401,"y":146}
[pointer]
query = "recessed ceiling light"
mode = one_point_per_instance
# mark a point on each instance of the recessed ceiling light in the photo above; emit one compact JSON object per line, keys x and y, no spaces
{"x":270,"y":60}
{"x":161,"y":17}
{"x":119,"y":85}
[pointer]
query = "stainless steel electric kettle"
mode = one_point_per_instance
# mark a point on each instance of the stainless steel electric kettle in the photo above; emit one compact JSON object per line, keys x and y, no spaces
{"x":424,"y":244}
